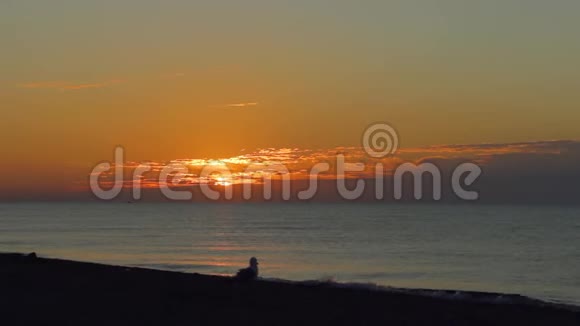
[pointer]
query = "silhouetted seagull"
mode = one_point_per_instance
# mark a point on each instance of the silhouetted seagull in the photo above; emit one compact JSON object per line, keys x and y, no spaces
{"x":249,"y":273}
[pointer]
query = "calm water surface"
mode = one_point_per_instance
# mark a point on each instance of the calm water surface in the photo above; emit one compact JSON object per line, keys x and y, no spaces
{"x":533,"y":251}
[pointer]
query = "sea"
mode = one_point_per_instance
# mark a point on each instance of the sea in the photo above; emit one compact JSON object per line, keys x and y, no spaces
{"x":529,"y":250}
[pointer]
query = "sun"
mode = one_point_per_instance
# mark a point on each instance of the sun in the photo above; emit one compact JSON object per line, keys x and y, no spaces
{"x":223,"y":181}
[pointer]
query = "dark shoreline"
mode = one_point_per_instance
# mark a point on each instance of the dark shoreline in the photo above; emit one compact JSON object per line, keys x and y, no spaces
{"x":40,"y":291}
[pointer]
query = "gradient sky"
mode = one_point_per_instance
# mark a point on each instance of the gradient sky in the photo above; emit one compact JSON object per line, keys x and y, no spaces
{"x":183,"y":79}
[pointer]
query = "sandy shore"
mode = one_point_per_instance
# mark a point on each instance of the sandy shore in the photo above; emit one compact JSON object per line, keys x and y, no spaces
{"x":39,"y":291}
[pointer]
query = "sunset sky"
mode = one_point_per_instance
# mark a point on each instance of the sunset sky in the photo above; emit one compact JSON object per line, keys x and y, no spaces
{"x":210,"y":79}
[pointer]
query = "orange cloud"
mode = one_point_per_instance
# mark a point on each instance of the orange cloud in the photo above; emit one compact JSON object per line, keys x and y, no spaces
{"x":510,"y":158}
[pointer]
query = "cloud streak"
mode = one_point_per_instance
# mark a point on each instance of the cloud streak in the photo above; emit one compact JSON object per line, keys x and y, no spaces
{"x":69,"y":86}
{"x":242,"y":105}
{"x":43,"y":85}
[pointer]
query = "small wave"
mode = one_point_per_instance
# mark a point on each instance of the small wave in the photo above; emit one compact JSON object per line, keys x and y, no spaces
{"x":174,"y":267}
{"x":469,"y":296}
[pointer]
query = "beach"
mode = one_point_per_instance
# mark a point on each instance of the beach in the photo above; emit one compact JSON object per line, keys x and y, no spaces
{"x":41,"y":291}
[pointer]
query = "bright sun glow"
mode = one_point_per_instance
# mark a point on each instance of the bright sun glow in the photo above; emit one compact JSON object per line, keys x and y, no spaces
{"x":223,"y":181}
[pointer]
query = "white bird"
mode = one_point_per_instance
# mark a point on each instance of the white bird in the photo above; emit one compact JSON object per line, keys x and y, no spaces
{"x":249,"y":273}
